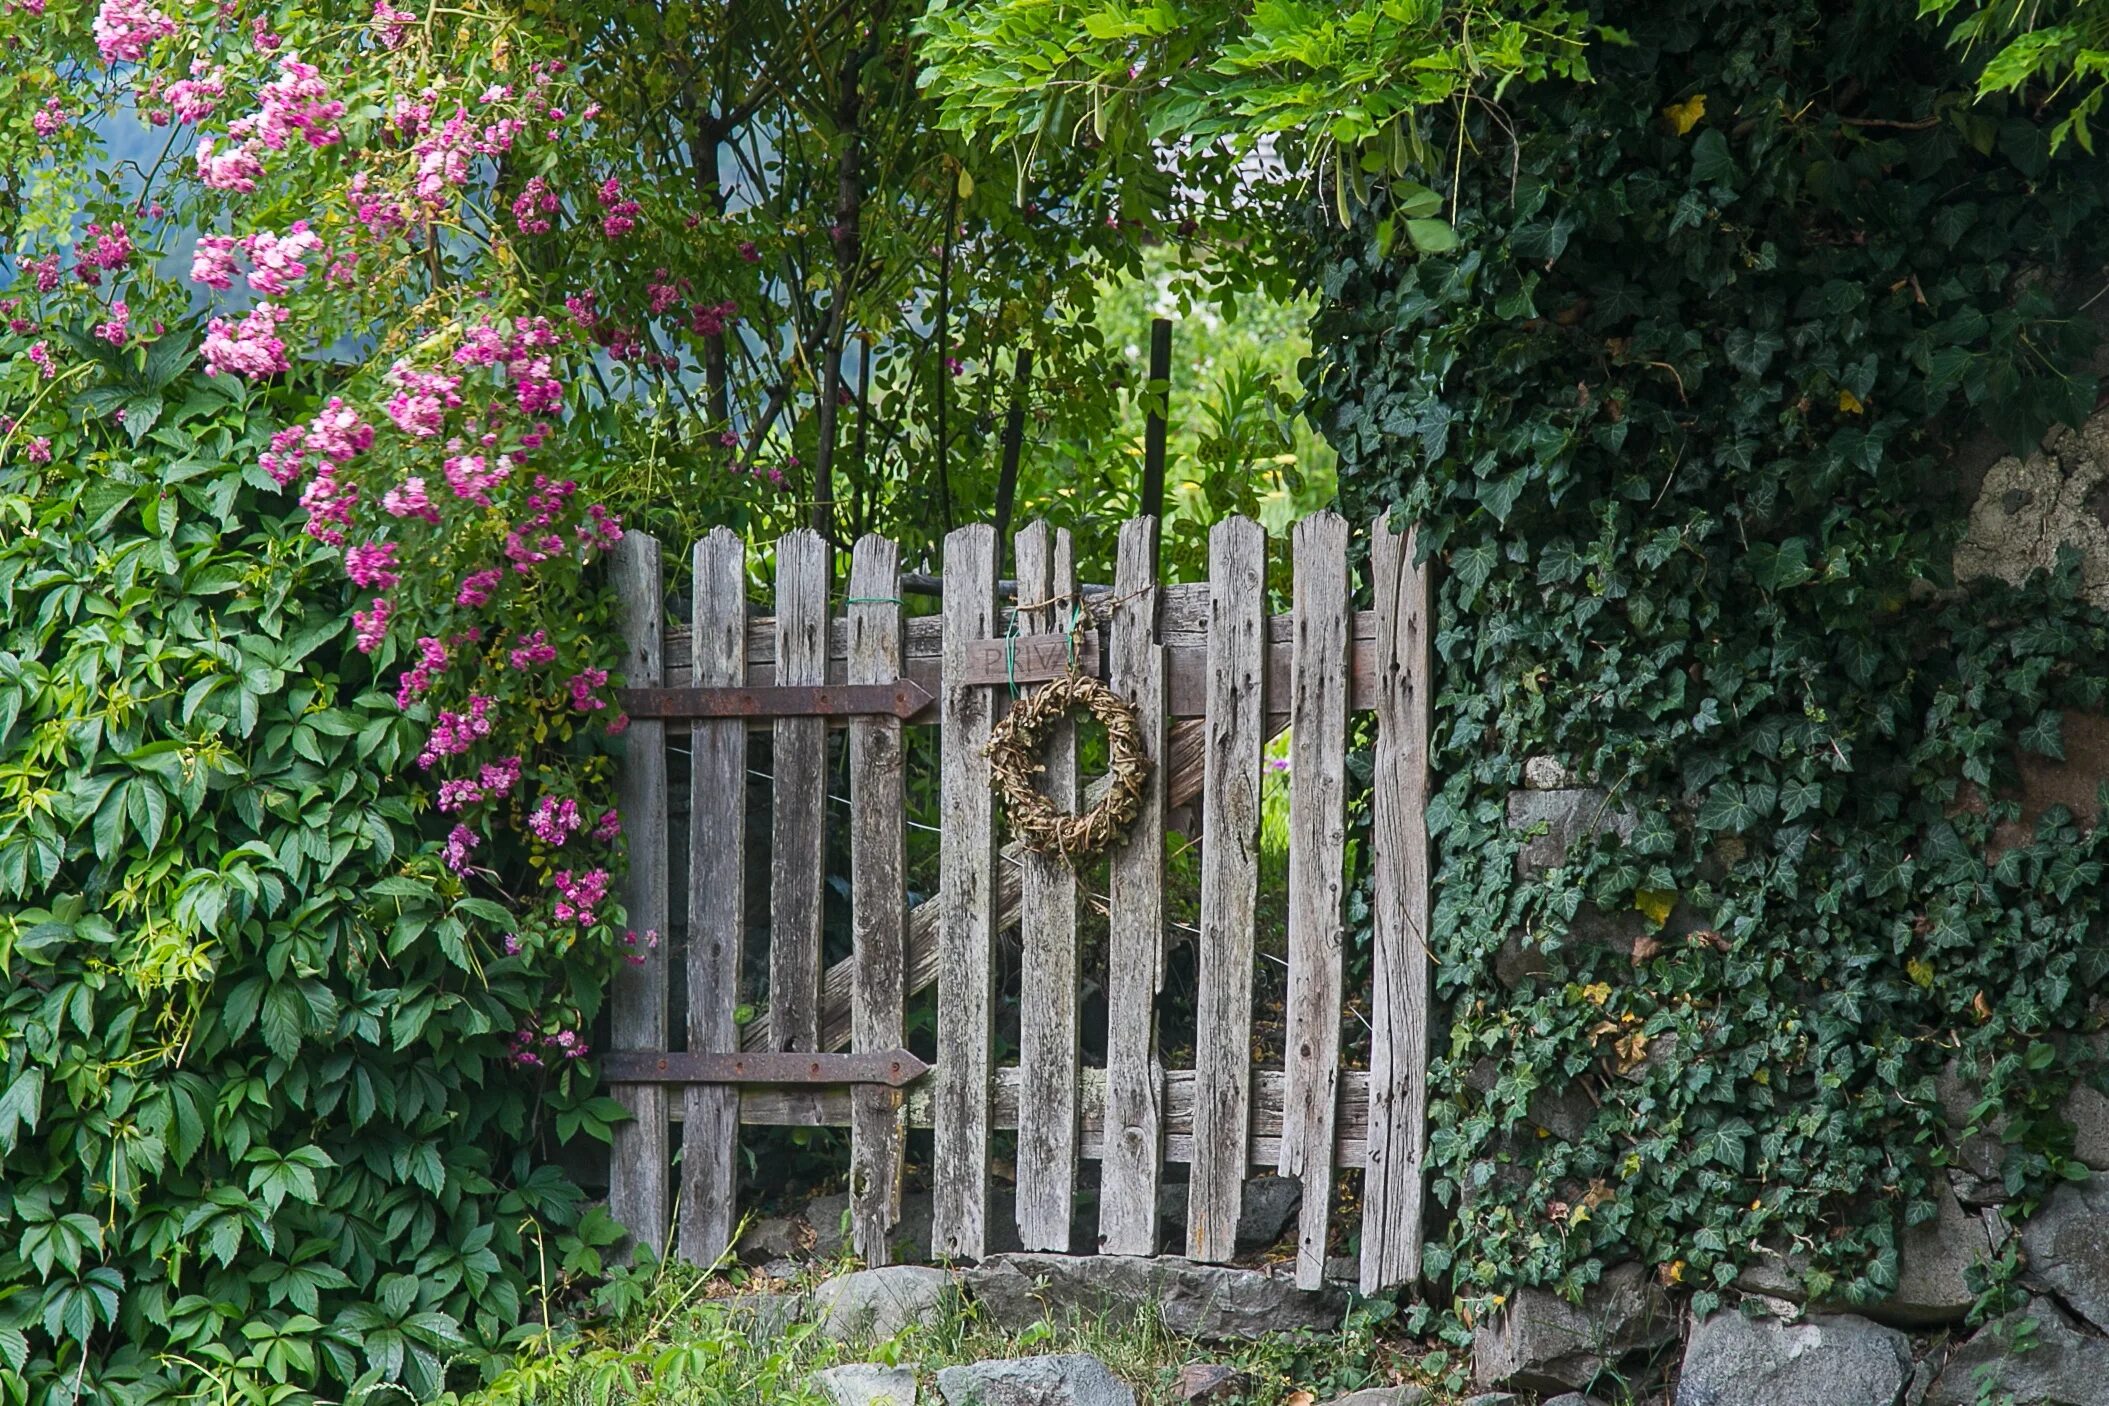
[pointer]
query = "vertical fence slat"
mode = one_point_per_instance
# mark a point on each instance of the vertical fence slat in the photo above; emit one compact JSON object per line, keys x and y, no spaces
{"x":1230,"y":820}
{"x":717,"y":867}
{"x":966,"y":863}
{"x":1398,"y":1051}
{"x":1047,"y":998}
{"x":878,"y":899}
{"x":1317,"y":849}
{"x":1133,"y":1160}
{"x":798,"y":834}
{"x":637,"y":1192}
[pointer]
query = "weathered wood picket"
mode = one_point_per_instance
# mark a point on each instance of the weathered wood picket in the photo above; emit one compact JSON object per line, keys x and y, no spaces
{"x":1214,"y":677}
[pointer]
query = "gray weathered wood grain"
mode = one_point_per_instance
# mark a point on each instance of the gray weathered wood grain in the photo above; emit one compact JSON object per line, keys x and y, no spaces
{"x":1317,"y":849}
{"x":798,"y":824}
{"x":1132,"y":1163}
{"x":1230,"y":822}
{"x":1183,"y":786}
{"x":717,"y":867}
{"x":1398,"y":1051}
{"x":818,"y":1108}
{"x":878,"y":897}
{"x":638,"y":1191}
{"x":1047,"y":998}
{"x":967,"y":901}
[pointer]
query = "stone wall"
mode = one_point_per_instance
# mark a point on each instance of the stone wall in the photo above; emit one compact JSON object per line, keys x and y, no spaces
{"x":1773,"y":1346}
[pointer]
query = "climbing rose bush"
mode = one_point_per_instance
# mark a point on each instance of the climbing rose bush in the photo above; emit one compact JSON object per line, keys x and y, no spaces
{"x":384,"y":254}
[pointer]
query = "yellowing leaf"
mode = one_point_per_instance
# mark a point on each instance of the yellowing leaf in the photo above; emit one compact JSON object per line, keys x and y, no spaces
{"x":966,"y":184}
{"x":1298,"y":1398}
{"x":1685,"y":115}
{"x":1656,"y":903}
{"x":1632,"y":1051}
{"x":1920,"y":971}
{"x":1849,"y":404}
{"x":1597,"y":992}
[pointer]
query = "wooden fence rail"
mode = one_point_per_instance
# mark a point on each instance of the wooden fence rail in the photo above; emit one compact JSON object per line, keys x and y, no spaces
{"x":1214,"y":677}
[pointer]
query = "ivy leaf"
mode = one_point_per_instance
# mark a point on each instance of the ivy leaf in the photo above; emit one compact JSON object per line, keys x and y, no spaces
{"x":1779,"y":566}
{"x":1728,"y":807}
{"x":1798,"y":796}
{"x":19,"y":1106}
{"x":1724,"y":1143}
{"x":2045,"y":734}
{"x":1711,"y":162}
{"x":1750,"y":349}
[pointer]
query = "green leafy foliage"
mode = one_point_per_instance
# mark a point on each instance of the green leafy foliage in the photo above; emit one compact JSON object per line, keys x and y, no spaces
{"x":1674,"y":418}
{"x":258,"y":1121}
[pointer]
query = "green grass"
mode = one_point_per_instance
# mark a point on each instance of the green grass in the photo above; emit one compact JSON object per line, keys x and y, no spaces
{"x":663,"y":1337}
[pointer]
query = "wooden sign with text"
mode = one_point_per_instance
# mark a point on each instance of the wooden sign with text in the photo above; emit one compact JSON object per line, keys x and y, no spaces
{"x":1029,"y":658}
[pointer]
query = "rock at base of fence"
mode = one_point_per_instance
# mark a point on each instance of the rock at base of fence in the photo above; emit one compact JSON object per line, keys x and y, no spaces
{"x":877,"y":1304}
{"x":1820,"y":1361}
{"x":867,"y":1384}
{"x":1074,"y":1379}
{"x":1207,"y":1302}
{"x":1544,"y":1343}
{"x":1383,"y":1396}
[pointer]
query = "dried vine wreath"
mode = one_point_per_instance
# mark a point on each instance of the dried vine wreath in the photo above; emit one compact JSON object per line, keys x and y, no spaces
{"x":1014,"y":760}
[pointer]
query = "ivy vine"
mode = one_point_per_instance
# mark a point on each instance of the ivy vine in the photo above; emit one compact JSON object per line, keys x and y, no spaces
{"x":1677,"y":416}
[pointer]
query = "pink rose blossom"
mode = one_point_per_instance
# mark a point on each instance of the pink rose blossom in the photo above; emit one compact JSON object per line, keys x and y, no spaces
{"x":391,"y":24}
{"x":40,"y":354}
{"x":419,"y":407}
{"x":370,"y":627}
{"x":476,"y":588}
{"x":193,"y":99}
{"x":461,"y":843}
{"x":582,"y":685}
{"x":458,"y":793}
{"x":534,"y":649}
{"x":277,"y":258}
{"x":212,"y":262}
{"x":329,"y":504}
{"x":555,"y":821}
{"x":40,"y":450}
{"x":49,"y":119}
{"x":296,"y":101}
{"x":582,"y":893}
{"x":126,"y":29}
{"x":409,"y":499}
{"x":283,"y":459}
{"x":454,"y":733}
{"x":500,"y":777}
{"x":249,"y":348}
{"x":116,"y":329}
{"x":533,"y":207}
{"x":372,"y":564}
{"x":236,"y":168}
{"x":431,"y":662}
{"x":607,"y":827}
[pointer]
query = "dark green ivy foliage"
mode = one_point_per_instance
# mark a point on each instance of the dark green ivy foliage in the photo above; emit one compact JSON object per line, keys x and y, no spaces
{"x":259,"y":1135}
{"x":1674,"y":417}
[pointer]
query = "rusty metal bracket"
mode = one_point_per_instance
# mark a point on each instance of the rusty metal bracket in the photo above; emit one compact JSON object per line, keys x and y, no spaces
{"x":897,"y":1068}
{"x":903,"y":699}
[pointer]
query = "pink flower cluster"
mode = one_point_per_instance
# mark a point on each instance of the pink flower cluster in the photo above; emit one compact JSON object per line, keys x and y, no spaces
{"x":530,"y":1050}
{"x":648,"y":942}
{"x":236,"y":168}
{"x":249,"y":348}
{"x":582,"y":893}
{"x":193,"y":99}
{"x":370,"y":627}
{"x":494,"y":781}
{"x":409,"y":499}
{"x":419,"y":406}
{"x":126,"y":29}
{"x":461,"y":843}
{"x":212,"y":261}
{"x":276,"y":259}
{"x":295,"y":101}
{"x":533,"y":207}
{"x":583,"y":687}
{"x":391,"y":24}
{"x":372,"y":564}
{"x":534,"y":649}
{"x":618,"y":215}
{"x":476,"y":588}
{"x":117,"y":328}
{"x":454,"y":733}
{"x":431,"y":663}
{"x":49,"y":119}
{"x":555,"y":821}
{"x":109,"y":248}
{"x":329,"y":501}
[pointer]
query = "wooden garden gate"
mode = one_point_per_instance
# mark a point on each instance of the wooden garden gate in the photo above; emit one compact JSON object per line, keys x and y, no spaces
{"x":1214,"y":678}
